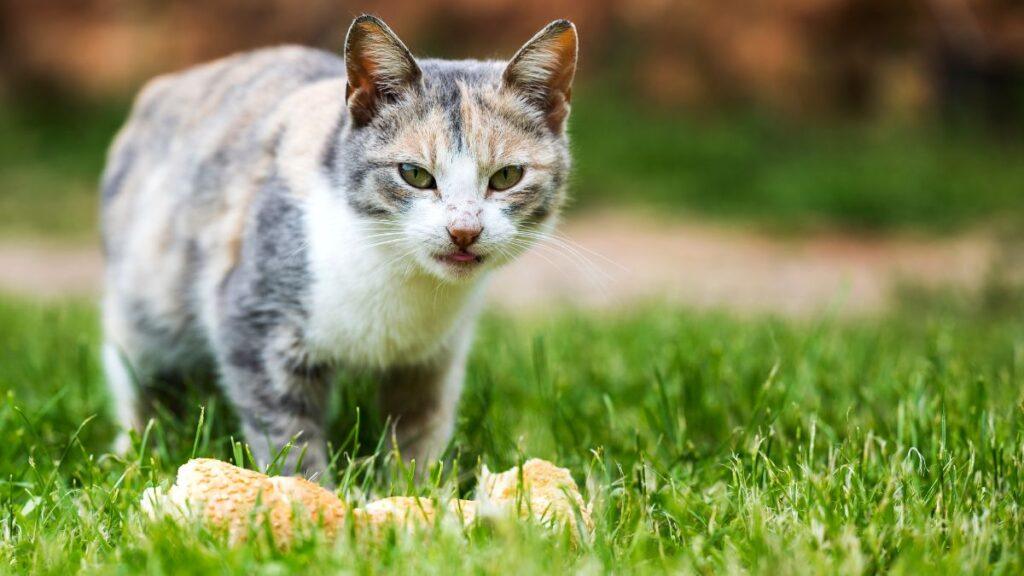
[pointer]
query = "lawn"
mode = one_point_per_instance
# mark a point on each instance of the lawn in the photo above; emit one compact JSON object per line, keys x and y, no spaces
{"x":745,"y":167}
{"x":706,"y":442}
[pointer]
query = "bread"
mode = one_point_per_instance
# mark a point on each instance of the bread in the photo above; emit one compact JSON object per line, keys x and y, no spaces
{"x":412,"y":512}
{"x":321,"y":505}
{"x":238,"y":500}
{"x":548,"y":494}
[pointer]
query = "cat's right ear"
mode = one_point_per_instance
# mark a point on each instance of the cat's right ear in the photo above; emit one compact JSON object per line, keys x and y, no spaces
{"x":379,"y":67}
{"x":543,"y":69}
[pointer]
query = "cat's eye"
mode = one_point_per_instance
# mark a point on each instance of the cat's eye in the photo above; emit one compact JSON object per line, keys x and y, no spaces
{"x":416,"y":176}
{"x":506,"y":178}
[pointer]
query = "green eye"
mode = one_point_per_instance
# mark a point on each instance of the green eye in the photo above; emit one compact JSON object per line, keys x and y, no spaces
{"x":506,"y":178}
{"x":416,"y":176}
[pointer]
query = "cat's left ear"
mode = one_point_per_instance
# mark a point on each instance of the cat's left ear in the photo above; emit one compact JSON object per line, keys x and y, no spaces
{"x":543,"y":69}
{"x":379,"y":67}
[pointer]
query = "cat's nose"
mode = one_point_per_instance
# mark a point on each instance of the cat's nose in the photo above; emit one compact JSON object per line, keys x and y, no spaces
{"x":463,"y":235}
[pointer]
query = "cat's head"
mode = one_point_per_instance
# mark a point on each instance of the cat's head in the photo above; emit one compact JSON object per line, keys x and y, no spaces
{"x":457,"y":166}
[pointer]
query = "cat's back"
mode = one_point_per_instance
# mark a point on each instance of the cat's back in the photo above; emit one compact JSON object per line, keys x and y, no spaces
{"x":181,"y":178}
{"x":200,"y":121}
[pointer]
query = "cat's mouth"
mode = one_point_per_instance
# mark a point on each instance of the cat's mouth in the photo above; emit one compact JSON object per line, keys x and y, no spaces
{"x":460,"y":258}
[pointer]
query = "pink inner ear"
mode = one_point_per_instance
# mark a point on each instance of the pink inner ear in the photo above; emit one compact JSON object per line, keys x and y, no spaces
{"x":361,"y":103}
{"x":561,"y":80}
{"x":558,"y":111}
{"x":562,"y":48}
{"x":559,"y":84}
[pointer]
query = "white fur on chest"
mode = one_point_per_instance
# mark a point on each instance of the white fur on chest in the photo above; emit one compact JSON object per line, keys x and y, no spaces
{"x":366,"y":310}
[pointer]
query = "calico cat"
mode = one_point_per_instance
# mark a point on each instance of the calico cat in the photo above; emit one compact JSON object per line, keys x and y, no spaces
{"x":282,"y":213}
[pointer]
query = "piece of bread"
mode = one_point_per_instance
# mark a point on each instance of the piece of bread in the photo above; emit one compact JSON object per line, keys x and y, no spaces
{"x":236,"y":499}
{"x":548,"y":494}
{"x":322,"y":506}
{"x":412,"y":512}
{"x":240,"y":500}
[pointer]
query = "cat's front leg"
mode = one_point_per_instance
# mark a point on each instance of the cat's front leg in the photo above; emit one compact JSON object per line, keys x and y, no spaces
{"x":421,"y":399}
{"x":279,"y":397}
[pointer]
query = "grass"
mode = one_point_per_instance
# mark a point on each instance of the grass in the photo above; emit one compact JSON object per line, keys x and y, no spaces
{"x":707,"y":444}
{"x":741,"y":167}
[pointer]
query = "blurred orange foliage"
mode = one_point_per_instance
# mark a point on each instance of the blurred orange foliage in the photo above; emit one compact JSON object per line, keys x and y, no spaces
{"x":793,"y":56}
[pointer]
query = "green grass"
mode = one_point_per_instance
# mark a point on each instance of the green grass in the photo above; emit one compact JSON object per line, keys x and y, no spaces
{"x":739,"y":167}
{"x":707,"y":444}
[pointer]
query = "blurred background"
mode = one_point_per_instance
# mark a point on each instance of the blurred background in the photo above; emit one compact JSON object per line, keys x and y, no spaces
{"x":782,"y":156}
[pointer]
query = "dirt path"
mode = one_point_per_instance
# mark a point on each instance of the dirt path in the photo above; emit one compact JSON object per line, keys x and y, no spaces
{"x":614,"y":260}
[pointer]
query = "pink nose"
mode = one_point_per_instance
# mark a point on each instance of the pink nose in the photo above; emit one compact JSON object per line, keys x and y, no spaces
{"x":464,"y":235}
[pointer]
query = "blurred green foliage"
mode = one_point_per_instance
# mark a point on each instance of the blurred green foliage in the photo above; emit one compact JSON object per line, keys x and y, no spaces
{"x":742,"y":166}
{"x":879,"y":176}
{"x":51,"y":156}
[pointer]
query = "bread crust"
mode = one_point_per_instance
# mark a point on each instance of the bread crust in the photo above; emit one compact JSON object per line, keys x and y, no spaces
{"x":237,"y":500}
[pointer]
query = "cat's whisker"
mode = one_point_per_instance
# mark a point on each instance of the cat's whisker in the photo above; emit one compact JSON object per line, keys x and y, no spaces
{"x":373,"y":233}
{"x":595,"y":277}
{"x":374,"y":230}
{"x":560,"y":269}
{"x":399,"y":257}
{"x":580,"y":257}
{"x":568,"y":243}
{"x":383,"y":243}
{"x":599,"y":283}
{"x":388,"y":237}
{"x":524,"y":246}
{"x":437,"y":288}
{"x":377,"y":223}
{"x":370,"y":233}
{"x":388,"y":234}
{"x":303,"y":246}
{"x":590,"y":251}
{"x":580,"y":260}
{"x":383,"y":233}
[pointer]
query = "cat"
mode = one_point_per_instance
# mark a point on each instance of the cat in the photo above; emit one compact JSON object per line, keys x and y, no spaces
{"x":283,"y":213}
